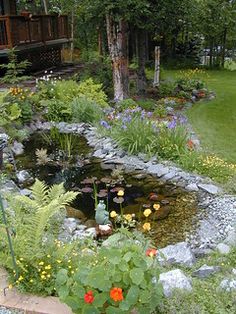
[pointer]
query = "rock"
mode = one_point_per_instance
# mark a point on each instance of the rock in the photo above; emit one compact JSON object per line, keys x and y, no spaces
{"x":23,"y":176}
{"x":170,"y":175}
{"x":192,"y":187}
{"x":158,"y":170}
{"x":25,"y":192}
{"x":107,"y":166}
{"x":9,"y":186}
{"x":75,"y":213}
{"x":161,"y":213}
{"x":210,"y":188}
{"x":17,"y":148}
{"x":234,"y":271}
{"x":223,"y":248}
{"x":179,"y":253}
{"x":231,"y":238}
{"x":70,"y":224}
{"x":228,"y":285}
{"x":90,"y":223}
{"x":205,"y":271}
{"x":174,"y":279}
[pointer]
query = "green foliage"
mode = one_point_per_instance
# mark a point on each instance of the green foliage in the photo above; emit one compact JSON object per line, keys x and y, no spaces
{"x":160,"y":111}
{"x":33,"y":239}
{"x":127,"y":103}
{"x":125,"y":267}
{"x":208,"y":165}
{"x":171,"y":143}
{"x":147,"y":104}
{"x":14,"y":69}
{"x":85,"y":110}
{"x":57,"y":110}
{"x":135,"y":137}
{"x":166,"y":88}
{"x":93,"y":92}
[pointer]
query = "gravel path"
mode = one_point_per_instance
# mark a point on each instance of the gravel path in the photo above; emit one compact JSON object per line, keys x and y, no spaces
{"x":4,"y":310}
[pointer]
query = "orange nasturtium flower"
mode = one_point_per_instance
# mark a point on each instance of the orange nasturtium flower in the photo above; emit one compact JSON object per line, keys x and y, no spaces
{"x":88,"y":297}
{"x":116,"y":294}
{"x":151,"y":252}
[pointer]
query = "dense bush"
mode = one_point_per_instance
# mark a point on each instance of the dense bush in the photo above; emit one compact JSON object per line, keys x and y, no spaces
{"x":85,"y":110}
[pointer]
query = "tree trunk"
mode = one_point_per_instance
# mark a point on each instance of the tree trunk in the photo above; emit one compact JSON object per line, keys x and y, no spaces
{"x":117,"y":36}
{"x":211,"y":53}
{"x":45,"y":5}
{"x":100,"y":50}
{"x":72,"y":35}
{"x":141,"y":79}
{"x":223,"y":47}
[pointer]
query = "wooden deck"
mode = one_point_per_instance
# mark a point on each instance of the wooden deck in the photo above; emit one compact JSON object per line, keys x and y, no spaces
{"x":29,"y":32}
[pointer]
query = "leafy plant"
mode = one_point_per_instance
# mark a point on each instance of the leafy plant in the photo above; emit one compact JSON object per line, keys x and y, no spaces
{"x":37,"y":251}
{"x":166,"y":88}
{"x":85,"y":110}
{"x":14,"y":69}
{"x":114,"y":279}
{"x":136,"y":136}
{"x":171,"y":143}
{"x":57,"y":110}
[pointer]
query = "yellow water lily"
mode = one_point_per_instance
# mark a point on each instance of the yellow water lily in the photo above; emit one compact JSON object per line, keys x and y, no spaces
{"x":120,"y":193}
{"x":146,"y":226}
{"x":156,"y":206}
{"x":128,"y":217}
{"x":147,"y":212}
{"x":113,"y":214}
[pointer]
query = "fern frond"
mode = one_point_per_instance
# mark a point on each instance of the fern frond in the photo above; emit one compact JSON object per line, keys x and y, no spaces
{"x":39,"y":192}
{"x":55,"y":191}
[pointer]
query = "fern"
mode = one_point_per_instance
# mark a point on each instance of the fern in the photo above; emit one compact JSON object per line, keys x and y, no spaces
{"x":32,"y":217}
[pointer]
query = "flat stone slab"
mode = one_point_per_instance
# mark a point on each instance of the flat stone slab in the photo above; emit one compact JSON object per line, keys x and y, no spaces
{"x":205,"y":271}
{"x":210,"y":188}
{"x":29,"y":303}
{"x":174,"y":279}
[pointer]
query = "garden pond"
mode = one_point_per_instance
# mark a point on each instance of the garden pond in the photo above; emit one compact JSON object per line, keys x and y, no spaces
{"x":67,"y":158}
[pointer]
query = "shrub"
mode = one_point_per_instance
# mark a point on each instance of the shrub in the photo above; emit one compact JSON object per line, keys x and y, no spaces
{"x":127,"y":103}
{"x":112,"y":280}
{"x":57,"y":110}
{"x":93,"y":92}
{"x":166,"y":88}
{"x":85,"y":110}
{"x":147,"y":104}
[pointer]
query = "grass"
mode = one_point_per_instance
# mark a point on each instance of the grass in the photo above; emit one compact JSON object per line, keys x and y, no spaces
{"x":215,"y":121}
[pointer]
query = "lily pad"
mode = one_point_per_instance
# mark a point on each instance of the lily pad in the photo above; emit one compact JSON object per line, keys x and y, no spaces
{"x":118,"y":200}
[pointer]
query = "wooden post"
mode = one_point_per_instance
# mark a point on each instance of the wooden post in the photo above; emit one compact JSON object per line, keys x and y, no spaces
{"x":156,"y":81}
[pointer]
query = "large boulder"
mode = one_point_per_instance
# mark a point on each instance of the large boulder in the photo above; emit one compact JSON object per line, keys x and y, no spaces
{"x":179,"y":253}
{"x":174,"y":279}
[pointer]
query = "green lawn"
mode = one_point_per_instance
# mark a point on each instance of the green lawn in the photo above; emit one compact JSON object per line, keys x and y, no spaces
{"x":215,"y":121}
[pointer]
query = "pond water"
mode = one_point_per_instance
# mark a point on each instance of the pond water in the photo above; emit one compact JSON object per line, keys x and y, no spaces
{"x":79,"y":171}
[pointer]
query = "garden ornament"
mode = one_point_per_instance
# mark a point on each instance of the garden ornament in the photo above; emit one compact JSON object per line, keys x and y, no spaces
{"x":102,"y":215}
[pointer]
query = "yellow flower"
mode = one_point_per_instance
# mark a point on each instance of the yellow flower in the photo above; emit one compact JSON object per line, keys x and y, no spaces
{"x":72,"y":272}
{"x":48,"y":267}
{"x":41,"y":263}
{"x":128,"y":217}
{"x":156,"y":206}
{"x":48,"y":256}
{"x":21,"y":259}
{"x":10,"y":287}
{"x":43,"y":277}
{"x":70,"y":266}
{"x":20,"y":278}
{"x":147,"y":212}
{"x":44,"y":272}
{"x":120,"y":193}
{"x":146,"y":226}
{"x":48,"y":275}
{"x":58,"y":261}
{"x":31,"y":280}
{"x":113,"y":214}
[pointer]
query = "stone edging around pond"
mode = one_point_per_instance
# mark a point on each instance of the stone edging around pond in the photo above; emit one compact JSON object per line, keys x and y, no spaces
{"x":217,"y":212}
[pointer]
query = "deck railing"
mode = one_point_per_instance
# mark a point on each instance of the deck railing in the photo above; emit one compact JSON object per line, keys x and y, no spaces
{"x":20,"y":30}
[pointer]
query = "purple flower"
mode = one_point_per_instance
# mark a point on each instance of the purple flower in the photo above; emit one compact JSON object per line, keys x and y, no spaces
{"x":105,"y":124}
{"x":149,"y":114}
{"x":171,"y":125}
{"x":183,"y":120}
